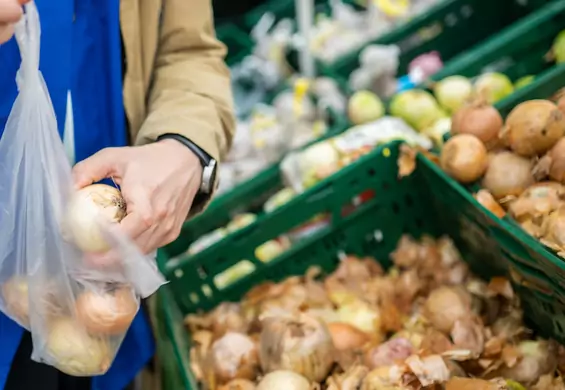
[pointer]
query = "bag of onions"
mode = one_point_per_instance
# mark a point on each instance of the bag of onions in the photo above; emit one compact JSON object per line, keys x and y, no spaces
{"x":77,"y":313}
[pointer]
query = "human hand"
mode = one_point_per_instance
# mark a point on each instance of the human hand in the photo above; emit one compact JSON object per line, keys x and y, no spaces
{"x":10,"y":13}
{"x":158,"y":182}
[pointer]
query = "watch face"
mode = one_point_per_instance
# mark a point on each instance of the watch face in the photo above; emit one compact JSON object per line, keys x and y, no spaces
{"x":208,"y":177}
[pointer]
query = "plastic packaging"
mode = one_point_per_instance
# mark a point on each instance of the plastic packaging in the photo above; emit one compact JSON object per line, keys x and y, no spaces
{"x":77,"y":312}
{"x":305,"y":168}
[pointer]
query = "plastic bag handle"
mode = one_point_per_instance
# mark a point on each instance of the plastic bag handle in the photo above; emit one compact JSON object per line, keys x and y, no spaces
{"x":27,"y":32}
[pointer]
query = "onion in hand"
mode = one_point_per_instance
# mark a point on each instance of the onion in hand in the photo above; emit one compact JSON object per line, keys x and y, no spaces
{"x":88,"y":207}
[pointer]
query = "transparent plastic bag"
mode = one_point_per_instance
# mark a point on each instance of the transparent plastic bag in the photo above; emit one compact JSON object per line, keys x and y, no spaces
{"x":77,"y":313}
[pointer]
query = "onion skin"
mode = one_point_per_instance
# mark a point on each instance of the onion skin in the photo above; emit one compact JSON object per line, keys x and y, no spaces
{"x":539,"y":358}
{"x":393,"y":351}
{"x":234,"y":356}
{"x":71,"y":350}
{"x":464,"y":158}
{"x":347,"y":337}
{"x":508,"y":175}
{"x":107,"y":313}
{"x":486,"y":200}
{"x":445,"y":306}
{"x":552,"y":165}
{"x":301,"y":344}
{"x":86,"y":206}
{"x":283,"y":380}
{"x":478,"y":119}
{"x":533,"y":127}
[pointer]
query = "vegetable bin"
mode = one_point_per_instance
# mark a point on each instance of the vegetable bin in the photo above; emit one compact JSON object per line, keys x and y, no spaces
{"x":423,"y":202}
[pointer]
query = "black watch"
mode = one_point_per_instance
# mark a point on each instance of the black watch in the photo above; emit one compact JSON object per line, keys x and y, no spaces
{"x":209,"y":165}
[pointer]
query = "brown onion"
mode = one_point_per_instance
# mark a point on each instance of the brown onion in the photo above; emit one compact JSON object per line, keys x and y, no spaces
{"x":300,"y":343}
{"x":486,"y":200}
{"x":238,"y":384}
{"x":346,"y":336}
{"x":234,"y":356}
{"x":446,"y":305}
{"x":393,"y":351}
{"x":507,"y":175}
{"x":464,"y":157}
{"x":561,"y":103}
{"x":385,"y":378}
{"x":479,"y":119}
{"x":552,"y":165}
{"x":533,"y":127}
{"x":457,"y":383}
{"x":107,"y":313}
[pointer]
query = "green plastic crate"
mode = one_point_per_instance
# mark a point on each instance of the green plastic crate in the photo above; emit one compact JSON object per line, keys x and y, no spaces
{"x":238,"y":42}
{"x":401,"y":206}
{"x":450,"y":27}
{"x":246,"y":197}
{"x":517,"y":51}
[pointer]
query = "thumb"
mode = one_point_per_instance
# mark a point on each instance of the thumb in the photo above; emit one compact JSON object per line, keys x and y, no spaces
{"x":106,"y":163}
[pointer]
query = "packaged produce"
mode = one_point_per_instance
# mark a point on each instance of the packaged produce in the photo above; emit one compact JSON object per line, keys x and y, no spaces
{"x":348,"y":28}
{"x":425,"y":323}
{"x":303,"y":169}
{"x":67,"y":273}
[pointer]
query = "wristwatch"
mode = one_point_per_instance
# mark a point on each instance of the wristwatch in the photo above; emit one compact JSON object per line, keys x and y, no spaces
{"x":209,"y":166}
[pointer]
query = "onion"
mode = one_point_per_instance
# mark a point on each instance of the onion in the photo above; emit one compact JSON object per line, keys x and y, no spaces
{"x":561,"y":103}
{"x":347,"y":337}
{"x":86,"y":207}
{"x":16,"y":298}
{"x":361,"y":316}
{"x":74,"y":352}
{"x":283,"y":380}
{"x":452,"y":92}
{"x":553,"y":163}
{"x":538,"y":358}
{"x":507,"y":175}
{"x":493,"y":87}
{"x":301,"y":344}
{"x":234,"y":356}
{"x":486,"y":200}
{"x":533,"y":127}
{"x":107,"y":313}
{"x":228,"y":317}
{"x":393,"y":351}
{"x":238,"y":384}
{"x":464,"y":157}
{"x":479,"y":119}
{"x":417,"y":107}
{"x":364,"y":107}
{"x":445,"y":306}
{"x":457,"y":383}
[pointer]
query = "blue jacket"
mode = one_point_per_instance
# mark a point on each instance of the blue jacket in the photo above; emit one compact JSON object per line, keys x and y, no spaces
{"x":81,"y":58}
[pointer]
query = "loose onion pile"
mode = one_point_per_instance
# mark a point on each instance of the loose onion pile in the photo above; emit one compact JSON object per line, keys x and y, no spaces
{"x":520,"y":163}
{"x":82,"y":322}
{"x":427,"y":323}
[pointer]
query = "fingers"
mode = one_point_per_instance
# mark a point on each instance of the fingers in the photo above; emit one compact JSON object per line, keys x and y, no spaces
{"x":10,"y":11}
{"x":139,"y":216}
{"x":104,"y":164}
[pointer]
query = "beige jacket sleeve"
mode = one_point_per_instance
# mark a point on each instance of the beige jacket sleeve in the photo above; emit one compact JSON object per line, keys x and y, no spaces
{"x":190,"y":93}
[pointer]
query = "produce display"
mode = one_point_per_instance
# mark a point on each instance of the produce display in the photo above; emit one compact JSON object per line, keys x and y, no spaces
{"x":518,"y":163}
{"x":295,"y":118}
{"x":303,"y":169}
{"x":348,"y":28}
{"x":425,"y":323}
